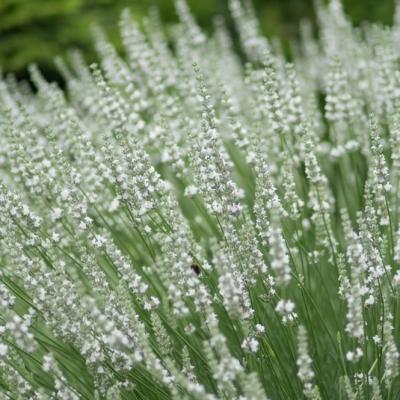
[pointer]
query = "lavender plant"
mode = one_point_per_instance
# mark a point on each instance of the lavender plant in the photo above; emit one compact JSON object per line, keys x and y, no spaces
{"x":180,"y":224}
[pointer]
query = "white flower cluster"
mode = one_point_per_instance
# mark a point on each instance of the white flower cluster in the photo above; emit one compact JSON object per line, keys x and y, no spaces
{"x":174,"y":217}
{"x":304,"y":364}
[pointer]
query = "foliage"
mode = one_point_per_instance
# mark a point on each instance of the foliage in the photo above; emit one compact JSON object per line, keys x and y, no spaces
{"x":180,"y":225}
{"x":33,"y":31}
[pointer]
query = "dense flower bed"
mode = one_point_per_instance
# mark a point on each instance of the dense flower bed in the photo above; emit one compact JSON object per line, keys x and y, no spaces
{"x":184,"y":223}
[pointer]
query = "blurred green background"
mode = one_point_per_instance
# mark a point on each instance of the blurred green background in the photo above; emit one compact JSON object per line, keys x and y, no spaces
{"x":38,"y":30}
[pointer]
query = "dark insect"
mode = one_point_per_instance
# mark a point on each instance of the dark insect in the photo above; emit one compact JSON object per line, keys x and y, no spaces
{"x":196,"y":269}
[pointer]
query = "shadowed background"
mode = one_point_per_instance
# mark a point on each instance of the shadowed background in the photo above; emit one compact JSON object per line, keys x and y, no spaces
{"x":35,"y":31}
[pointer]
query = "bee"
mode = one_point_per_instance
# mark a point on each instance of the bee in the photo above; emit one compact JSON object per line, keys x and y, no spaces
{"x":196,"y":269}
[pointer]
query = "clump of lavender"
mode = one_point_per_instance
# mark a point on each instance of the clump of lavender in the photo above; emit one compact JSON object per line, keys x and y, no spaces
{"x":180,"y":224}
